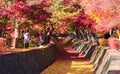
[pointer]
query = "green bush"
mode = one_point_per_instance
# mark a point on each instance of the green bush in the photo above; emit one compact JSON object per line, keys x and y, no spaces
{"x":33,"y":41}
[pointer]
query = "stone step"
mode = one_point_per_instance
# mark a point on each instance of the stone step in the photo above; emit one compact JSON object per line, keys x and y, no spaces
{"x":90,"y":51}
{"x":110,"y":55}
{"x":80,"y":47}
{"x":94,"y":55}
{"x":84,"y":49}
{"x":114,"y":67}
{"x":76,"y":45}
{"x":100,"y":56}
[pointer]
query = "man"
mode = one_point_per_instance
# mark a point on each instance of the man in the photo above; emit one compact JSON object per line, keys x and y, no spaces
{"x":26,"y":39}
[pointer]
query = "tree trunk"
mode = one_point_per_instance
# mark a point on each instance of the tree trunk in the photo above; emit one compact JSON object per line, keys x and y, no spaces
{"x":16,"y":33}
{"x":47,"y":34}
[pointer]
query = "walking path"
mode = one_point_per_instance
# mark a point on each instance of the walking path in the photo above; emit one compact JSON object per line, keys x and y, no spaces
{"x":69,"y":63}
{"x":70,"y":66}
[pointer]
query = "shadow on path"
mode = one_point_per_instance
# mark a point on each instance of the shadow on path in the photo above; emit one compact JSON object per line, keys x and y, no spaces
{"x":69,"y":62}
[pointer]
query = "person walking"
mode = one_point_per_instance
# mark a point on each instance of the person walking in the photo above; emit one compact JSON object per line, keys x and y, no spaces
{"x":26,"y":39}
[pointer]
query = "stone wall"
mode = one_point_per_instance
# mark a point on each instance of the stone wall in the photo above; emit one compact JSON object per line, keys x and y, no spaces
{"x":85,"y":49}
{"x":29,"y":62}
{"x":104,"y":59}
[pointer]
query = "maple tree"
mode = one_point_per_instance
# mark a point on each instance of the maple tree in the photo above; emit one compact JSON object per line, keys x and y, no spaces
{"x":63,"y":14}
{"x":22,"y":12}
{"x":106,"y":13}
{"x":65,"y":8}
{"x":19,"y":11}
{"x":85,"y":21}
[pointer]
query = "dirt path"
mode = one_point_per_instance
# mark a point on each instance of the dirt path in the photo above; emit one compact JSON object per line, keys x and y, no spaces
{"x":70,"y":66}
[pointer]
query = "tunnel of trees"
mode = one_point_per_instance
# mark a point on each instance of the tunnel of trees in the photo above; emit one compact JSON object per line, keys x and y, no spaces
{"x":67,"y":24}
